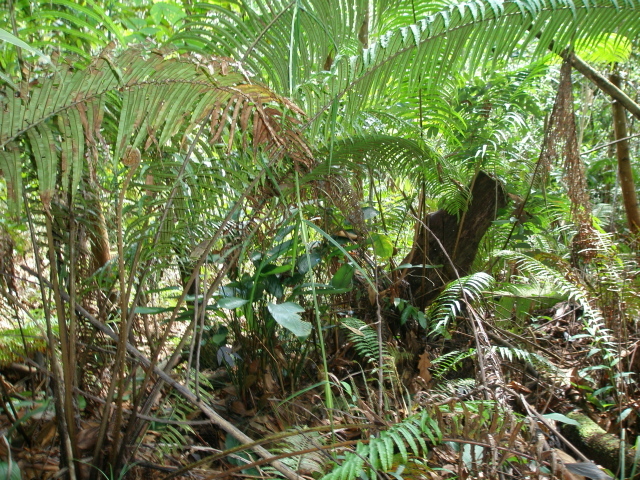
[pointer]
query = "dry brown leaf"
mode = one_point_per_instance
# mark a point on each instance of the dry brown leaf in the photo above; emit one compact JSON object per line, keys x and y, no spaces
{"x":423,"y":366}
{"x":88,"y":436}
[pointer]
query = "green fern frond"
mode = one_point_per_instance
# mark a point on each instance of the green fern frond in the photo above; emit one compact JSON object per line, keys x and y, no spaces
{"x":332,"y":63}
{"x":308,"y":463}
{"x":533,"y":358}
{"x":406,"y":437}
{"x":390,"y":154}
{"x":451,"y":301}
{"x":61,"y":119}
{"x":449,"y":362}
{"x":594,"y":321}
{"x":364,"y":339}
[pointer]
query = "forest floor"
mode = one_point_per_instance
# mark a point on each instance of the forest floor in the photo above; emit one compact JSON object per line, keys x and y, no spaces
{"x":467,"y":429}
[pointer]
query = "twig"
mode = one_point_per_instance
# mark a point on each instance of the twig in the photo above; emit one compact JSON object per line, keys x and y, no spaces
{"x":610,"y":143}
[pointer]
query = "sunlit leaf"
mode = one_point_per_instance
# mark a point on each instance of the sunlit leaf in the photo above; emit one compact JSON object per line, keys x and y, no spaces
{"x":288,"y":315}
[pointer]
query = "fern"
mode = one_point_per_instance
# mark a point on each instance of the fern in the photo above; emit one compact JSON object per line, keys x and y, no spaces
{"x":365,"y":340}
{"x":594,"y":321}
{"x":448,"y":362}
{"x":327,"y":63}
{"x":308,"y":463}
{"x":451,"y":301}
{"x":407,"y":437}
{"x":61,"y":121}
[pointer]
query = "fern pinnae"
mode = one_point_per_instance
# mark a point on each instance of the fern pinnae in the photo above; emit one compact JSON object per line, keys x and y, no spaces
{"x":450,"y":302}
{"x":449,"y":361}
{"x":594,"y":321}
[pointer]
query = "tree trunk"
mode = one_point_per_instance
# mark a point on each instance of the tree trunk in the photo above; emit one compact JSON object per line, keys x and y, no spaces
{"x":459,"y":235}
{"x":625,"y":170}
{"x":596,"y":444}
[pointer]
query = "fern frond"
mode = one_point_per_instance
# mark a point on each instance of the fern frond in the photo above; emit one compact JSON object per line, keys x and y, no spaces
{"x":332,"y":64}
{"x":451,"y":301}
{"x":448,"y":362}
{"x":594,"y":321}
{"x":407,"y":436}
{"x":61,"y":118}
{"x":364,"y":339}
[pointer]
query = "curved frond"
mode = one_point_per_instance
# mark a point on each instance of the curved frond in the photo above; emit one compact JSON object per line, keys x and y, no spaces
{"x":451,"y":302}
{"x":321,"y":57}
{"x":151,"y":101}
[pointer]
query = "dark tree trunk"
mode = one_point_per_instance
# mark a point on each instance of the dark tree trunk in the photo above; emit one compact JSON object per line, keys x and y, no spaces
{"x":460,"y":235}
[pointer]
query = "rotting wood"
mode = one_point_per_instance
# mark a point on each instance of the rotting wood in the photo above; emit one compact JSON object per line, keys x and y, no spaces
{"x":460,"y":235}
{"x":596,"y":443}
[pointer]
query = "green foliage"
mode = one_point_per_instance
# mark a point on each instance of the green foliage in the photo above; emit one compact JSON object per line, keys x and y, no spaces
{"x":310,"y":462}
{"x":10,"y":471}
{"x":19,"y":343}
{"x":449,"y":362}
{"x":318,"y":54}
{"x":451,"y":302}
{"x":601,"y":336}
{"x":406,"y":438}
{"x":61,"y":120}
{"x":364,"y":339}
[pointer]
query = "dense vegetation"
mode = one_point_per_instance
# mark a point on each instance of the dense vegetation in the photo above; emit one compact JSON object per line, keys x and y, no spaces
{"x":315,"y":239}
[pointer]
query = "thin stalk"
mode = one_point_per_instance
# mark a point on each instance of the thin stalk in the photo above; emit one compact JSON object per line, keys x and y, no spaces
{"x":58,"y":384}
{"x":293,"y":57}
{"x":325,"y":373}
{"x":67,"y":368}
{"x":118,"y":368}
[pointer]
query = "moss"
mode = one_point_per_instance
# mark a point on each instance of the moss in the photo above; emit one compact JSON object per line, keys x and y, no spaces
{"x":595,"y":443}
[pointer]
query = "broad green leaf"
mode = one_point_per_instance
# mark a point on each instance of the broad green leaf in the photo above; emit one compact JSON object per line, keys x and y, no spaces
{"x":382,"y":245}
{"x":288,"y":315}
{"x":231,"y":302}
{"x":171,"y":11}
{"x":152,"y":310}
{"x":12,"y":39}
{"x":274,"y":269}
{"x":558,"y":417}
{"x":10,"y":474}
{"x":344,"y":276}
{"x":307,"y":261}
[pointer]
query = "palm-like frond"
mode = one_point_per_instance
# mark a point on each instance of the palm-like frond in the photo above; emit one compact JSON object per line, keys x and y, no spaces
{"x":594,"y":320}
{"x":152,"y":100}
{"x":318,"y":56}
{"x":407,"y":437}
{"x":451,"y":301}
{"x":390,"y":154}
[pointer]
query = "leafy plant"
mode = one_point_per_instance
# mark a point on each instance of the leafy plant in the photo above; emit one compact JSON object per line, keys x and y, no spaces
{"x":451,"y":302}
{"x":378,"y":453}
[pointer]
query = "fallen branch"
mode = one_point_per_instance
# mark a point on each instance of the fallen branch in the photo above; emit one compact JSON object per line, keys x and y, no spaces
{"x":603,"y":84}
